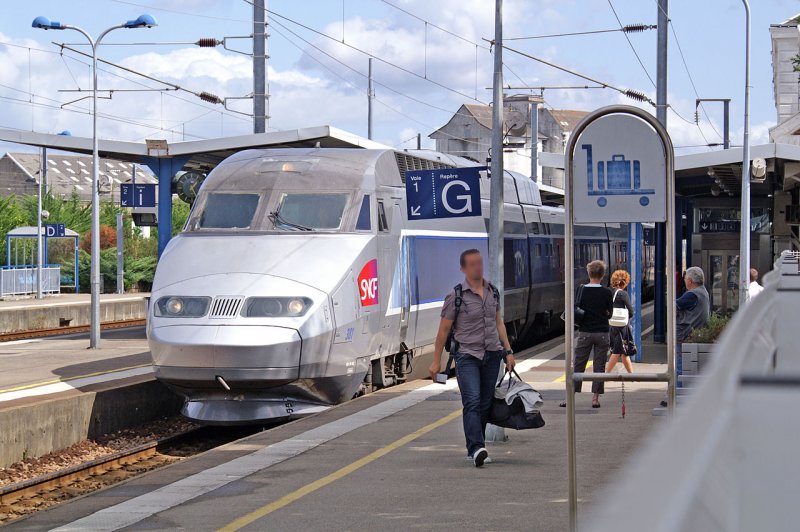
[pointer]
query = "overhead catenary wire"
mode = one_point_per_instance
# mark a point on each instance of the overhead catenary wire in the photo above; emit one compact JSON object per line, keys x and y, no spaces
{"x":353,"y":85}
{"x":630,"y":93}
{"x":629,"y":28}
{"x":368,"y":54}
{"x":115,"y":74}
{"x":647,"y":73}
{"x":355,"y":70}
{"x":686,"y":68}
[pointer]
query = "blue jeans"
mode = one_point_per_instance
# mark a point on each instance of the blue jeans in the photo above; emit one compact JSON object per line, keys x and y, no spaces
{"x":476,"y":381}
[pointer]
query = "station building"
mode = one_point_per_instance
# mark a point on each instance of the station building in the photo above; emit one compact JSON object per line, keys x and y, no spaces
{"x":67,"y":175}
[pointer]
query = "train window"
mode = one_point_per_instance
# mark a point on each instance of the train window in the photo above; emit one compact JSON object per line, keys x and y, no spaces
{"x":310,"y":211}
{"x":228,"y":211}
{"x":383,"y":225}
{"x":363,"y":223}
{"x":538,"y":250}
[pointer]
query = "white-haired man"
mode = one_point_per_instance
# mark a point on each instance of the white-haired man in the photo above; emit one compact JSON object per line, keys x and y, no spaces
{"x":694,"y":305}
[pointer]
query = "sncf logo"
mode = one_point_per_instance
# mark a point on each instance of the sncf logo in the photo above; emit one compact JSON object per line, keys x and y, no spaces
{"x":368,"y":283}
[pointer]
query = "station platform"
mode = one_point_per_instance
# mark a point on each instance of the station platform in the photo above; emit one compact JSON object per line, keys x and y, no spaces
{"x":55,"y":392}
{"x":68,"y":310}
{"x":394,"y":459}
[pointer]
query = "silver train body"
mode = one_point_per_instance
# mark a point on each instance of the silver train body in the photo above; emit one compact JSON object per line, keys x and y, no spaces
{"x":299,"y":281}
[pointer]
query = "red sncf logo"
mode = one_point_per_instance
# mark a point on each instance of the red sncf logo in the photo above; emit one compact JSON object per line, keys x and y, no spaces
{"x":368,"y":283}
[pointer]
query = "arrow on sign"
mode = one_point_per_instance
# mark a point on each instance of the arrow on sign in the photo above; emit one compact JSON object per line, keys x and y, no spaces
{"x":415,"y":211}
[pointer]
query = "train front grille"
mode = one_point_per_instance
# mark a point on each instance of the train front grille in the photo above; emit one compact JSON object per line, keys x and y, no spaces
{"x":226,"y":307}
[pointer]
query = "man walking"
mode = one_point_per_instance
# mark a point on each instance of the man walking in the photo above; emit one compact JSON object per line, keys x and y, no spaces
{"x":479,"y":343}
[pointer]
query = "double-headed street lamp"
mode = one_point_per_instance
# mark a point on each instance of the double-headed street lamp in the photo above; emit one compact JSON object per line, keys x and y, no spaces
{"x":144,"y":21}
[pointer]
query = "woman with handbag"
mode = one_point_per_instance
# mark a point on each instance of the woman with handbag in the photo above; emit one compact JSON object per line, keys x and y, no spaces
{"x":620,"y":336}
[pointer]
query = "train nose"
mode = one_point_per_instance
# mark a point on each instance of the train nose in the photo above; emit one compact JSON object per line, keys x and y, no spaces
{"x":245,"y":356}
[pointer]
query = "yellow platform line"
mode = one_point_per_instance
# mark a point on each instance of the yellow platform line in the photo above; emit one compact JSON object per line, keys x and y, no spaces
{"x":563,"y":377}
{"x":67,"y":379}
{"x":336,"y":475}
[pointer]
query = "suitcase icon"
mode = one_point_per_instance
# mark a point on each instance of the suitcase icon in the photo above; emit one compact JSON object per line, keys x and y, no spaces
{"x":617,"y":177}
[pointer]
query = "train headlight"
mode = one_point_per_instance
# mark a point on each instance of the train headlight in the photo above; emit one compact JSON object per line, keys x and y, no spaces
{"x":276,"y":307}
{"x":182,"y":307}
{"x":174,"y":306}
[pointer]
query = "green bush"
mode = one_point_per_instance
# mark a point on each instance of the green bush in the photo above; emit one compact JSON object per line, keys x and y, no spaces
{"x":711,"y":332}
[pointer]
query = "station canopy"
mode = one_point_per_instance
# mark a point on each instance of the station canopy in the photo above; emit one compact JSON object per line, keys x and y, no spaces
{"x":203,"y":155}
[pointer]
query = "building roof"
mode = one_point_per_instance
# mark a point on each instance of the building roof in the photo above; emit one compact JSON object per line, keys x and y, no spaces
{"x":567,"y":118}
{"x":482,"y":113}
{"x":73,"y":173}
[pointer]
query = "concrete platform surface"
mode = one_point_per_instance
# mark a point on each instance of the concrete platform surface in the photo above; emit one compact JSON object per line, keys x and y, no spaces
{"x":42,"y":366}
{"x":392,"y":460}
{"x":17,"y":303}
{"x":53,"y":312}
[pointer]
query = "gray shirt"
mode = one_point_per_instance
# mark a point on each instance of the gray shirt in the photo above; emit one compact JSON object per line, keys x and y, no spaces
{"x":475,"y":330}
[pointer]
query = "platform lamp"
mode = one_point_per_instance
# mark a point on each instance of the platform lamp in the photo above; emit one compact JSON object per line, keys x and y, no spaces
{"x":41,"y":215}
{"x":44,"y":23}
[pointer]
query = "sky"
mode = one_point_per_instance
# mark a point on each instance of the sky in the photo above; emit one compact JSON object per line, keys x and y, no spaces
{"x":430,"y":57}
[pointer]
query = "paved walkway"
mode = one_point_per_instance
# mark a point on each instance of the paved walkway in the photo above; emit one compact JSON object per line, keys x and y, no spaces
{"x":392,"y":460}
{"x":18,"y":303}
{"x":43,"y":366}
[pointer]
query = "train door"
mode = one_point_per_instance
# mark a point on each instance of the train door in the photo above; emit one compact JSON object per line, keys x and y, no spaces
{"x":395,"y":281}
{"x":404,"y":268}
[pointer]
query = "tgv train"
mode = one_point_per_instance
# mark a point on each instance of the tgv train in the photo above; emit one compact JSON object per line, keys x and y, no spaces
{"x":299,"y":281}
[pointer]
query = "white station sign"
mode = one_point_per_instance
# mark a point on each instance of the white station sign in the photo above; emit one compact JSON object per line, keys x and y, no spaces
{"x":619,"y":172}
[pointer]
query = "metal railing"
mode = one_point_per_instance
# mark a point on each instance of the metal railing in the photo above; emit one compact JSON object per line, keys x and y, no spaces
{"x":22,"y":280}
{"x":728,"y":462}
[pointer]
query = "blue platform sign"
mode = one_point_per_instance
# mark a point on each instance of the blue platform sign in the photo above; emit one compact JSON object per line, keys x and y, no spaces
{"x":55,"y":230}
{"x":137,"y":195}
{"x":443,"y":193}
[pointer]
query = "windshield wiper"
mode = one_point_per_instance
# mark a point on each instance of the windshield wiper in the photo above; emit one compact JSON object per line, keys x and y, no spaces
{"x":276,"y":218}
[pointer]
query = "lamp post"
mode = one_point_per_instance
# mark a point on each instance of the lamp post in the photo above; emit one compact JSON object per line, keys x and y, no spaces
{"x":744,"y":229}
{"x":44,"y":23}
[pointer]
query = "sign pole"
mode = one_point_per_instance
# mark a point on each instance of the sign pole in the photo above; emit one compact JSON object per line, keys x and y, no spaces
{"x":39,"y":246}
{"x":617,"y":187}
{"x":496,"y":200}
{"x":120,"y":254}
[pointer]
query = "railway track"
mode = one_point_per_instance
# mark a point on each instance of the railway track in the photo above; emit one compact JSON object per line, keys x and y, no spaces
{"x":69,"y":329}
{"x":26,"y":497}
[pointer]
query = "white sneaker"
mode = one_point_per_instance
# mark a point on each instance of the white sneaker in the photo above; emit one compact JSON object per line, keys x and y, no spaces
{"x":480,"y":457}
{"x":487,"y":461}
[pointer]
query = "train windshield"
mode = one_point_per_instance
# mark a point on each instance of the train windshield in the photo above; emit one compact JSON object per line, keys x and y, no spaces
{"x":308,"y":212}
{"x":228,"y":211}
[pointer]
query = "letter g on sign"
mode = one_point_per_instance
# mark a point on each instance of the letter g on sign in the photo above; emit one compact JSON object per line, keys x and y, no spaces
{"x":466,"y":198}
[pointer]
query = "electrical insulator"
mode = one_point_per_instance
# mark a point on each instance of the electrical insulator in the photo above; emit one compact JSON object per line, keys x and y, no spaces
{"x":696,"y":117}
{"x":210,"y":98}
{"x":637,"y":28}
{"x":636,"y":95}
{"x":208,"y":42}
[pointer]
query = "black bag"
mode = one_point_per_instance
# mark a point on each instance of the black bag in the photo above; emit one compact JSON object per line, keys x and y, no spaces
{"x":513,"y":416}
{"x":628,"y":343}
{"x":579,"y":313}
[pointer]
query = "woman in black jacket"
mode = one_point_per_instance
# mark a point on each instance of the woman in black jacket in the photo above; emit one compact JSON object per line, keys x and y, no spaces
{"x":620,"y":337}
{"x":592,"y":337}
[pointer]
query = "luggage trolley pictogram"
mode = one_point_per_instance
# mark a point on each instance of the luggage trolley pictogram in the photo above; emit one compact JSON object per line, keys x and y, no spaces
{"x":616,"y":177}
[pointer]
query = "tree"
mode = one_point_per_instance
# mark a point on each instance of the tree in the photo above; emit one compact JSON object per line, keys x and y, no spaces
{"x":108,"y":238}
